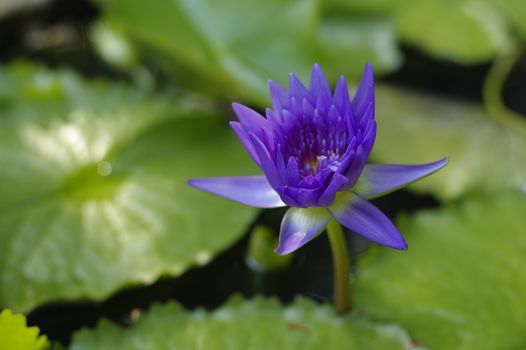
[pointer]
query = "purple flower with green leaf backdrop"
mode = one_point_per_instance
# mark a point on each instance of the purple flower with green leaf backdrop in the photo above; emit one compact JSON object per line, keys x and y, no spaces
{"x":313,"y":147}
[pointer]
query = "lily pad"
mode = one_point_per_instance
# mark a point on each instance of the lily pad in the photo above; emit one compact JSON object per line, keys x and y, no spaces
{"x":464,"y":31}
{"x":14,"y":333}
{"x":225,"y":42}
{"x":240,"y":45}
{"x":515,"y":12}
{"x":468,"y":32}
{"x":484,"y":155}
{"x":347,"y":44}
{"x":257,"y":324}
{"x":461,"y":284}
{"x":94,"y":193}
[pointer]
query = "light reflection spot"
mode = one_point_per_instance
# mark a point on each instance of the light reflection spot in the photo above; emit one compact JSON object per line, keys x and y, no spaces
{"x":104,"y":168}
{"x":203,"y":257}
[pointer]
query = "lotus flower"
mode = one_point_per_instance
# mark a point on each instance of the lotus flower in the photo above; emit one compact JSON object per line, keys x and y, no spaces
{"x":313,"y":147}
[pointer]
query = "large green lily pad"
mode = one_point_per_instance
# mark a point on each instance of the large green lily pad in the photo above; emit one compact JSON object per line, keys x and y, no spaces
{"x":465,"y":31}
{"x":233,"y":47}
{"x":461,"y":284}
{"x":484,"y":154}
{"x":93,"y":187}
{"x":245,"y":325}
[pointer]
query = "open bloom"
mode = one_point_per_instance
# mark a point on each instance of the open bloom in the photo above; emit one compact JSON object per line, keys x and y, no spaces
{"x":313,"y":147}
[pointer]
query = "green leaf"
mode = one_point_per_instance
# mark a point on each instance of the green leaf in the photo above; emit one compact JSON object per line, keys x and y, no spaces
{"x":468,"y":32}
{"x":465,"y":31}
{"x":461,"y":284}
{"x":484,"y":155}
{"x":257,"y":324}
{"x":515,"y":12}
{"x":227,"y":43}
{"x":94,"y":193}
{"x":371,"y":7}
{"x":15,"y":335}
{"x":347,"y":44}
{"x":232,"y":48}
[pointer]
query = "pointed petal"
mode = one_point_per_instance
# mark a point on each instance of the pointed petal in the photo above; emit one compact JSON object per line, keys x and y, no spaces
{"x":327,"y":197}
{"x":251,"y":120}
{"x":379,"y":179}
{"x":360,"y":216}
{"x":297,"y":88}
{"x":250,"y":190}
{"x":365,"y":93}
{"x":319,"y":87}
{"x":341,"y":96}
{"x":304,"y":197}
{"x":369,"y":136}
{"x":266,"y":161}
{"x":299,"y":226}
{"x":279,"y":96}
{"x":356,"y":166}
{"x":281,"y":166}
{"x":282,"y":190}
{"x":245,"y":141}
{"x":293,"y":172}
{"x":272,"y":119}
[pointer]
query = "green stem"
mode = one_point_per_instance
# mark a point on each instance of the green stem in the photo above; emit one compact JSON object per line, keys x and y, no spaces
{"x":340,"y":258}
{"x":492,"y":90}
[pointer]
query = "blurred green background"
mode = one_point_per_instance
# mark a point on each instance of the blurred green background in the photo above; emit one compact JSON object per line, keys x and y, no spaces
{"x":108,"y":106}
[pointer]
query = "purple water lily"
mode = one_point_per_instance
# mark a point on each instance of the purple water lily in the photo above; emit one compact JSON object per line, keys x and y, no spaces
{"x":312,"y":148}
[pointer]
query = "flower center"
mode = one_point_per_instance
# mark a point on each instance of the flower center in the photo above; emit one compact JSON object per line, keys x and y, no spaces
{"x":315,"y":147}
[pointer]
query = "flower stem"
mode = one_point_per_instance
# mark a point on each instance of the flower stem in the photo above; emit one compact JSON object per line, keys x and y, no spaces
{"x":340,"y":258}
{"x":493,"y":86}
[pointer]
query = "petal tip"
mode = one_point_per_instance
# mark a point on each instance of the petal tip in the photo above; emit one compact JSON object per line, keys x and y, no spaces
{"x":273,"y":85}
{"x":281,"y":251}
{"x":397,"y":243}
{"x":368,"y":75}
{"x":317,"y":71}
{"x":439,"y":164}
{"x":291,"y":243}
{"x":238,"y":108}
{"x":194,"y":183}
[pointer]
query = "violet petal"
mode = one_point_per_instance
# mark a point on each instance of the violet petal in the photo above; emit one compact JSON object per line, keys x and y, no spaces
{"x":251,"y":190}
{"x":266,"y":162}
{"x":319,"y":86}
{"x":336,"y":183}
{"x":379,"y":179}
{"x":245,"y":141}
{"x":279,"y":96}
{"x":297,"y":89}
{"x":305,"y":197}
{"x":341,"y":96}
{"x":362,"y":217}
{"x":299,"y":226}
{"x":365,"y":93}
{"x":356,"y":166}
{"x":250,"y":119}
